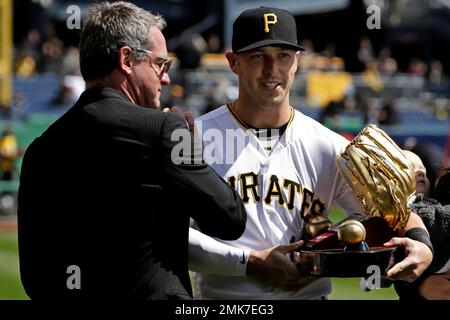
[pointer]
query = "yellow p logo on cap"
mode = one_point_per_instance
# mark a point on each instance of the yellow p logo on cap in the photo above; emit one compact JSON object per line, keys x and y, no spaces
{"x":268,"y":21}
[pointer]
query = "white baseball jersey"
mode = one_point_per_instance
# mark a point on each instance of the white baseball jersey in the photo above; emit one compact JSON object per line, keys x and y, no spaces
{"x":278,"y":187}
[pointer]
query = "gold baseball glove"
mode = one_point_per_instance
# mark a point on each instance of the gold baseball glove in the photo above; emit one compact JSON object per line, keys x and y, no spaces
{"x":380,"y":174}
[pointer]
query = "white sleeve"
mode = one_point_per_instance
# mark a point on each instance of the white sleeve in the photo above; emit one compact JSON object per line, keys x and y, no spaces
{"x":346,"y":199}
{"x":208,"y":255}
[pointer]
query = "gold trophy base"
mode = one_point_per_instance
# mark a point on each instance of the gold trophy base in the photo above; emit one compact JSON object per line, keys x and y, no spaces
{"x":348,"y":249}
{"x":344,"y":263}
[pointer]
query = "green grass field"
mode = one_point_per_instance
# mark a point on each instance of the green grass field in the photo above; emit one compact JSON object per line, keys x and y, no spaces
{"x":11,"y":287}
{"x":348,"y":288}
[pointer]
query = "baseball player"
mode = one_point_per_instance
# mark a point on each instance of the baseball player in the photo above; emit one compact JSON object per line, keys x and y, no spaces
{"x":280,"y":161}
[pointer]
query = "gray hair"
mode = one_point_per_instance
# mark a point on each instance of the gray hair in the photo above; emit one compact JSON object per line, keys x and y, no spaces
{"x":107,"y":28}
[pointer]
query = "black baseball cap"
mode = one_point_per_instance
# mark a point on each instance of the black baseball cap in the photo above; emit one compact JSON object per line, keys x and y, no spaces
{"x":264,"y":26}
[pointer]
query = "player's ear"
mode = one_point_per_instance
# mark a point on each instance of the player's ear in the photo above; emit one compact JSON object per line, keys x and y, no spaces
{"x":298,"y":59}
{"x":125,"y":62}
{"x":232,"y":60}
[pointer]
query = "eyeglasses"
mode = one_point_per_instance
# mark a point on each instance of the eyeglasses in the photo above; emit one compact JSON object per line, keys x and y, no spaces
{"x":163,"y":64}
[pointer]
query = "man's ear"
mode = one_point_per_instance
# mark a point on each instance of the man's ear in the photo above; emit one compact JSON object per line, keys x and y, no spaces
{"x":126,"y":61}
{"x":232,"y":61}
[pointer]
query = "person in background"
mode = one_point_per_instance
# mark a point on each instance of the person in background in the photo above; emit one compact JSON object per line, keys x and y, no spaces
{"x":434,"y":210}
{"x":9,"y":152}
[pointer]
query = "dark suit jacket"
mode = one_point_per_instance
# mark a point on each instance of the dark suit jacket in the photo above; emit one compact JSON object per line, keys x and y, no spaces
{"x":99,"y":191}
{"x":436,"y":218}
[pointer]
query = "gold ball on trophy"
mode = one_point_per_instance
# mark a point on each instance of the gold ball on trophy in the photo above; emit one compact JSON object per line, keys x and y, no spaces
{"x":351,"y":232}
{"x":316,"y":225}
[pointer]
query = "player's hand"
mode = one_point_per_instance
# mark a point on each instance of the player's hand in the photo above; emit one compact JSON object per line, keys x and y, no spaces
{"x":418,"y":257}
{"x":436,"y":287}
{"x":188,"y":116}
{"x":273,"y":268}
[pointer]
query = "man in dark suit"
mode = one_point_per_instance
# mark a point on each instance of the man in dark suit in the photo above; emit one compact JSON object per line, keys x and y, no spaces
{"x":104,"y":201}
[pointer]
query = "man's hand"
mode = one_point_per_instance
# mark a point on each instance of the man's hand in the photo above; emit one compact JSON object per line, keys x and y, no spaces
{"x":436,"y":287}
{"x":188,"y":116}
{"x":273,"y":268}
{"x":418,"y":258}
